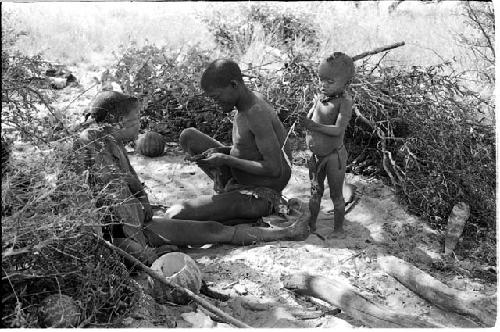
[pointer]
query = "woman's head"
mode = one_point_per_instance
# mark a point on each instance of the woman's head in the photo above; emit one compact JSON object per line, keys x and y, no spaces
{"x":118,"y":109}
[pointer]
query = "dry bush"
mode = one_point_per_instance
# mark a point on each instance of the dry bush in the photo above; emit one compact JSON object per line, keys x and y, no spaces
{"x":27,"y":109}
{"x":49,"y":246}
{"x":235,"y":34}
{"x":167,"y":82}
{"x":425,"y":131}
{"x":481,"y":40}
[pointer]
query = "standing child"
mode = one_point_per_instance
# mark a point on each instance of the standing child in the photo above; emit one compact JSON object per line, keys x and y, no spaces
{"x":326,"y":123}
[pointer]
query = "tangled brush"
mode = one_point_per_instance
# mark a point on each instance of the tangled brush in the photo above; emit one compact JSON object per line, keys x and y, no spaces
{"x":48,"y":215}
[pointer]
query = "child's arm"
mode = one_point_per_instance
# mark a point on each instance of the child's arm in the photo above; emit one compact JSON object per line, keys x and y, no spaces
{"x":311,"y":111}
{"x":137,"y":189}
{"x":339,"y":127}
{"x":133,"y":189}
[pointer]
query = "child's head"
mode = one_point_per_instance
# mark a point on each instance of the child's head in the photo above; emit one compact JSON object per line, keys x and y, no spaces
{"x":222,"y":81}
{"x":335,"y":73}
{"x":118,"y":109}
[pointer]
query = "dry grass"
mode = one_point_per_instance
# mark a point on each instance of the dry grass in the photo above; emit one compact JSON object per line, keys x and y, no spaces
{"x":48,"y":214}
{"x":73,"y":32}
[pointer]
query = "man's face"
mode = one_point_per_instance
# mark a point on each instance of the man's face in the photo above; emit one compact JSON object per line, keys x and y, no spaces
{"x":225,"y":97}
{"x":130,"y":125}
{"x":331,"y":81}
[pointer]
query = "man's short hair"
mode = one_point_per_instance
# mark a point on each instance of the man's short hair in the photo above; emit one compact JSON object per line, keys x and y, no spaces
{"x":111,"y":106}
{"x":220,"y":73}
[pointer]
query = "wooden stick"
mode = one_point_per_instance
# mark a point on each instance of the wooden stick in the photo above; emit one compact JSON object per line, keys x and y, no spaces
{"x":205,"y":304}
{"x":377,"y":50}
{"x":345,"y":297}
{"x":437,"y":293}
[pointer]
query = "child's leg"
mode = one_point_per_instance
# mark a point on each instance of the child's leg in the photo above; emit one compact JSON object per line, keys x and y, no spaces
{"x":335,"y":170}
{"x":317,"y":188}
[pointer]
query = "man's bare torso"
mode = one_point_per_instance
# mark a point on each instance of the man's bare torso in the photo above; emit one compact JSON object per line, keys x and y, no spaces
{"x":245,"y":147}
{"x":327,"y":114}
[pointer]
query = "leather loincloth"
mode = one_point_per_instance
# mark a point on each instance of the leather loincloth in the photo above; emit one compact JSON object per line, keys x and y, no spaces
{"x":277,"y":204}
{"x":316,"y":164}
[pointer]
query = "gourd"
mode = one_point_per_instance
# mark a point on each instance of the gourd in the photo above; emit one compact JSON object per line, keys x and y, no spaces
{"x":150,"y":144}
{"x":177,"y":268}
{"x":59,"y":310}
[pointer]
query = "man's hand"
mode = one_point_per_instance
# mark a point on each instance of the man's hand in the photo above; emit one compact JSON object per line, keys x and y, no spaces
{"x":215,"y":160}
{"x":211,"y":151}
{"x":207,"y":153}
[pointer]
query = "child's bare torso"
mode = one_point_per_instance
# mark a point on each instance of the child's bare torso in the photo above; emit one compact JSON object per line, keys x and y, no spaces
{"x":327,"y":114}
{"x":245,"y":147}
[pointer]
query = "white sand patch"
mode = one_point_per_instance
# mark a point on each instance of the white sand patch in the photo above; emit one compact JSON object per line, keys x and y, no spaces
{"x":377,"y":225}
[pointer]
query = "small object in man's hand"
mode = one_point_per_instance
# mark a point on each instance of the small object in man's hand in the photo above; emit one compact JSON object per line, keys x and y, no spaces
{"x":195,"y":158}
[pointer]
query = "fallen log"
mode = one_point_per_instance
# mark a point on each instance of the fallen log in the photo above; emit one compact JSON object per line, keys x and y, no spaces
{"x":476,"y":305}
{"x":345,"y":297}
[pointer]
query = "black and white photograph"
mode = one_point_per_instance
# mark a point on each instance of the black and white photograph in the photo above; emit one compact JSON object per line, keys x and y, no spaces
{"x":249,"y":164}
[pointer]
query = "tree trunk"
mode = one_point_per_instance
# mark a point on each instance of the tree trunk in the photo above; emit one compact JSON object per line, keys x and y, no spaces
{"x":476,"y":305}
{"x":345,"y":297}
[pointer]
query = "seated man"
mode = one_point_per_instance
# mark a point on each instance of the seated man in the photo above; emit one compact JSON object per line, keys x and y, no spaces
{"x":128,"y":219}
{"x":250,"y":175}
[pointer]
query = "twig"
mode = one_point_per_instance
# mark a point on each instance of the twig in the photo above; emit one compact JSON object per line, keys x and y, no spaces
{"x":351,"y":257}
{"x":378,"y":63}
{"x":76,"y":98}
{"x":207,"y":305}
{"x":377,"y":50}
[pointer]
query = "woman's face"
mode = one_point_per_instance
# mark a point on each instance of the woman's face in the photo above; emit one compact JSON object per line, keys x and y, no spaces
{"x":130,"y":125}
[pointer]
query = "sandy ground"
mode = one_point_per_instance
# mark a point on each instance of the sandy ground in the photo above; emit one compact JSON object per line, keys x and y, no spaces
{"x":252,"y":275}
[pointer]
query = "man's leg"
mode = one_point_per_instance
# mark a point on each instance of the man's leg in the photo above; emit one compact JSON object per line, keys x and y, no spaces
{"x":161,"y":231}
{"x":229,"y":206}
{"x":194,"y":142}
{"x":335,"y":170}
{"x":317,"y":190}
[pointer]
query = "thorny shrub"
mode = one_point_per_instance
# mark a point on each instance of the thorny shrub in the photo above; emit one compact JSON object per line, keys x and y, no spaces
{"x":49,"y":245}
